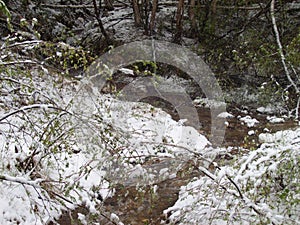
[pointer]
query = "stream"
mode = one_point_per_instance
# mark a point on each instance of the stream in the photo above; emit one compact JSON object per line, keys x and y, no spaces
{"x":145,"y":205}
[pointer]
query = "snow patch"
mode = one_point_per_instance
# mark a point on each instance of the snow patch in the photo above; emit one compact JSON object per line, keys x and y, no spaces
{"x":127,"y":71}
{"x":250,"y":122}
{"x":225,"y":115}
{"x":274,"y":119}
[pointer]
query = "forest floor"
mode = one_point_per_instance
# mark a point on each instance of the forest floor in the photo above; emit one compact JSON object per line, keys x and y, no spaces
{"x":69,"y":157}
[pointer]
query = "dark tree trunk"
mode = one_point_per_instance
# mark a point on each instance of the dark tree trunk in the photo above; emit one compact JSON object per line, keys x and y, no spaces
{"x":192,"y":8}
{"x":153,"y":15}
{"x":136,"y":13}
{"x":179,"y":16}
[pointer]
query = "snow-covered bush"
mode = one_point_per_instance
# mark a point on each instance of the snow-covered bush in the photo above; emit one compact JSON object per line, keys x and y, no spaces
{"x":262,"y":187}
{"x":64,"y":145}
{"x":44,"y":168}
{"x":52,"y":156}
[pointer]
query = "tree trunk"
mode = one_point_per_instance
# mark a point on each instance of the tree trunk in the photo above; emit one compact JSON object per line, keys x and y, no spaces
{"x":192,"y":8}
{"x":153,"y":15}
{"x":214,"y":6}
{"x":136,"y":13}
{"x":212,"y":17}
{"x":179,"y":16}
{"x":145,"y":16}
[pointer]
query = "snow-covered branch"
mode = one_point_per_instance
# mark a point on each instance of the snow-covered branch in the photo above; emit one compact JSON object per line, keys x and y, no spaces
{"x":21,"y":44}
{"x":22,"y":180}
{"x":29,"y":107}
{"x":18,"y":62}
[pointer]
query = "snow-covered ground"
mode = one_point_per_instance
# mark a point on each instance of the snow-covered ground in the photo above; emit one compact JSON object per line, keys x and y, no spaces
{"x":63,"y":145}
{"x":66,"y":147}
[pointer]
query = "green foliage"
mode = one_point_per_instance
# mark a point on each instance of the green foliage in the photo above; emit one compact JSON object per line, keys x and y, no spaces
{"x":43,"y":142}
{"x":145,"y":68}
{"x":4,"y":10}
{"x":280,"y":182}
{"x":237,"y":41}
{"x":270,"y":92}
{"x":293,"y":54}
{"x":64,"y":56}
{"x":31,"y":26}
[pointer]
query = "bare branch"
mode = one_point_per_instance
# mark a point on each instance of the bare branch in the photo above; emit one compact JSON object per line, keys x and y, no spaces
{"x":67,"y":6}
{"x":236,"y":186}
{"x":218,"y":6}
{"x":102,"y":29}
{"x":52,"y":6}
{"x":280,"y":49}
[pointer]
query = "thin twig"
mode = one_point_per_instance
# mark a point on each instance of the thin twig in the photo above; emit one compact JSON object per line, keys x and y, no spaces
{"x":217,"y":6}
{"x":52,"y":6}
{"x":236,"y":186}
{"x":102,"y":29}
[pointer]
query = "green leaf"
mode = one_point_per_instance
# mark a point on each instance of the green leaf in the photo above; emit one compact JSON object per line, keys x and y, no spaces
{"x":5,"y":11}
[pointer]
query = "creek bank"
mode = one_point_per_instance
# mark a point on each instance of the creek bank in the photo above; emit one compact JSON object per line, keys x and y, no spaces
{"x":146,"y":204}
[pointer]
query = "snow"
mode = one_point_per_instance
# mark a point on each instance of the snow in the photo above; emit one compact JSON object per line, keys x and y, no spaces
{"x":274,"y":119}
{"x":250,"y":122}
{"x":207,"y":103}
{"x":215,"y":199}
{"x":21,"y":180}
{"x":280,"y":136}
{"x":271,"y":109}
{"x":148,"y":132}
{"x":251,"y":132}
{"x":225,"y":115}
{"x":127,"y":71}
{"x":115,"y":219}
{"x":82,"y":219}
{"x":268,"y":110}
{"x":62,"y":146}
{"x":82,"y":146}
{"x":16,"y":205}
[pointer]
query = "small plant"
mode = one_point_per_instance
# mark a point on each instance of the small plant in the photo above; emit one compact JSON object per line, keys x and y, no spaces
{"x":31,"y":26}
{"x":145,"y":68}
{"x":64,"y":56}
